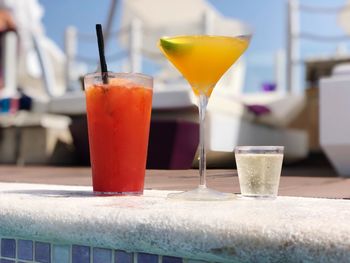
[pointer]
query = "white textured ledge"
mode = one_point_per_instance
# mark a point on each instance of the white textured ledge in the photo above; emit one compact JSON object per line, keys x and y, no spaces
{"x":284,"y":230}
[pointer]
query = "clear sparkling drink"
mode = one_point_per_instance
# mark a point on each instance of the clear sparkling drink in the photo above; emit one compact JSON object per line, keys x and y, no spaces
{"x":259,"y":173}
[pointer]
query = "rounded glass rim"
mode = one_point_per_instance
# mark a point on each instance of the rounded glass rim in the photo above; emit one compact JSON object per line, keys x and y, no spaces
{"x":246,"y":30}
{"x":259,"y":149}
{"x":247,"y":36}
{"x":119,"y":74}
{"x":167,"y":37}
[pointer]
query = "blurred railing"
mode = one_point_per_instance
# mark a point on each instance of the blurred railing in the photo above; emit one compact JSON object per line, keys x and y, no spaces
{"x":132,"y":54}
{"x":72,"y":37}
{"x":9,"y":55}
{"x":294,"y":34}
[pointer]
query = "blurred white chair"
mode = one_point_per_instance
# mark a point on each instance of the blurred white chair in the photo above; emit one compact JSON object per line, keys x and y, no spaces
{"x":334,"y":118}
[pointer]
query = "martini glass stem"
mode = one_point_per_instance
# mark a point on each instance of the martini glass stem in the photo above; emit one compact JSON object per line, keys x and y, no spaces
{"x":202,"y":107}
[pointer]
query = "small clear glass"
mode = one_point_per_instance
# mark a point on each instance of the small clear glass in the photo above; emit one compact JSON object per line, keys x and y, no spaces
{"x":259,"y":170}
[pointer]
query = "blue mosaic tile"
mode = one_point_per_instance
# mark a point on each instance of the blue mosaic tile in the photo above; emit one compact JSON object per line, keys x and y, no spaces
{"x":167,"y":259}
{"x":25,"y":249}
{"x":147,"y":258}
{"x":123,"y":257}
{"x":8,"y":248}
{"x":42,"y":252}
{"x":60,"y":253}
{"x":101,"y":255}
{"x":6,"y":261}
{"x":80,"y":254}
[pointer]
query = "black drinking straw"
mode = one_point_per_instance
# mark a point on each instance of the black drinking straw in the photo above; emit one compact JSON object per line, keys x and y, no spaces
{"x":101,"y":51}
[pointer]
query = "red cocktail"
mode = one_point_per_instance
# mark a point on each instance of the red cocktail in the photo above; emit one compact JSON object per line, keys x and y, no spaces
{"x":119,"y":115}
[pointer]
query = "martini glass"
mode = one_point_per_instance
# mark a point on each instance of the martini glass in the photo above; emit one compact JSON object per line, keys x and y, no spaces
{"x":202,"y":60}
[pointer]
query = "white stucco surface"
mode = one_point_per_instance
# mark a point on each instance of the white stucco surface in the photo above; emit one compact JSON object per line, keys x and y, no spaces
{"x":287,"y":229}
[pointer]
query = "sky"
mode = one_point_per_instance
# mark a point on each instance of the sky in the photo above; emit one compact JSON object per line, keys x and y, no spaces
{"x":267,"y":17}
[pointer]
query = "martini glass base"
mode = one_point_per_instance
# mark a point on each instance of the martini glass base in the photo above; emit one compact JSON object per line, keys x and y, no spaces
{"x":202,"y":193}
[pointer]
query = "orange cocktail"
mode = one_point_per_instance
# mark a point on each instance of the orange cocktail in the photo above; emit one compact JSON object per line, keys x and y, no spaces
{"x":119,"y":115}
{"x":202,"y":60}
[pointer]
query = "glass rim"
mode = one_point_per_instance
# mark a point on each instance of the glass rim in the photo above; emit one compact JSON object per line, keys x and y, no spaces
{"x":259,"y":149}
{"x":247,"y":30}
{"x":119,"y":74}
{"x":244,"y":35}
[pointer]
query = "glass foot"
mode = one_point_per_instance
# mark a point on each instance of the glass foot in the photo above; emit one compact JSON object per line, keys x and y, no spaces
{"x":202,"y":194}
{"x":99,"y":193}
{"x":260,"y":197}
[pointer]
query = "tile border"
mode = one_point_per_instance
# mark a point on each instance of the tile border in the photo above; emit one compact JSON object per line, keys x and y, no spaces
{"x":69,"y":248}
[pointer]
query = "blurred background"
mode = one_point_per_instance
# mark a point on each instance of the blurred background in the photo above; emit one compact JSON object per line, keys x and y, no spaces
{"x":290,"y":88}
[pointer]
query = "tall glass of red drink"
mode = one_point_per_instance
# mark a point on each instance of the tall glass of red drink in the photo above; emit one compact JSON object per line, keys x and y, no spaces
{"x":118,"y":114}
